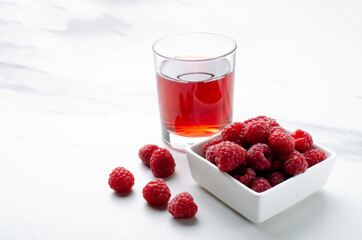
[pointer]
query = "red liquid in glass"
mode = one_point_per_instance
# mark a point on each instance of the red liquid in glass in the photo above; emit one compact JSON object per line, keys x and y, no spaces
{"x":193,"y":108}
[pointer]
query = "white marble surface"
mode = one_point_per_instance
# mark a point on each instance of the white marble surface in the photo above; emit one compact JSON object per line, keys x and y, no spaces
{"x":77,"y":78}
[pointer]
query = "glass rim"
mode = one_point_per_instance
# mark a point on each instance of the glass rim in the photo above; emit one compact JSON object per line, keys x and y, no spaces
{"x":233,"y":49}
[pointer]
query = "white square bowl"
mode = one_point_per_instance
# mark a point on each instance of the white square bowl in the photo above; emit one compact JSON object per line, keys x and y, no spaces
{"x":258,"y":207}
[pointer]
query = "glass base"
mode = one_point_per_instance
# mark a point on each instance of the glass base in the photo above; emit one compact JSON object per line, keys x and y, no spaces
{"x":180,"y":143}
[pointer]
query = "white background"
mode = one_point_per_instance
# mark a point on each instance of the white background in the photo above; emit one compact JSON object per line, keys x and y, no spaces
{"x":78,"y":98}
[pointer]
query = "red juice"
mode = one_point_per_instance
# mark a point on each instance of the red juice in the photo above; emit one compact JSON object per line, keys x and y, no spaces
{"x":195,"y":103}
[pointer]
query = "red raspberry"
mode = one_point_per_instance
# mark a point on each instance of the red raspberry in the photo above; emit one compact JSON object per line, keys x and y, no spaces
{"x":280,"y":129}
{"x":248,"y":178}
{"x":156,"y":192}
{"x":276,"y":177}
{"x":257,"y":118}
{"x":210,"y":155}
{"x":121,"y":180}
{"x":257,"y":132}
{"x":260,"y":185}
{"x":162,"y":163}
{"x":182,"y":206}
{"x":211,"y":142}
{"x":241,"y":140}
{"x":231,"y":131}
{"x":295,"y":164}
{"x":229,"y":155}
{"x":303,"y":140}
{"x":281,"y":143}
{"x":277,"y":164}
{"x":145,"y":153}
{"x":271,"y":122}
{"x":238,"y":171}
{"x":259,"y":157}
{"x":314,"y":156}
{"x":234,"y":132}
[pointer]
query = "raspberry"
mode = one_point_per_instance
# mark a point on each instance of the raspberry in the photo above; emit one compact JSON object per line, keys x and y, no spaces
{"x":295,"y":164}
{"x":162,"y":163}
{"x":145,"y":153}
{"x":280,"y":129}
{"x":281,"y":143}
{"x":229,"y":155}
{"x":260,"y":185}
{"x":182,"y":206}
{"x":254,"y":119}
{"x":231,"y":131}
{"x":234,"y":132}
{"x":238,"y":171}
{"x":314,"y":156}
{"x":277,"y":164}
{"x":248,"y":178}
{"x":156,"y":192}
{"x":121,"y":180}
{"x":211,"y":142}
{"x":257,"y":132}
{"x":271,"y":122}
{"x":276,"y":177}
{"x":210,"y":155}
{"x":303,"y":140}
{"x":259,"y":157}
{"x":241,"y":140}
{"x":257,"y":118}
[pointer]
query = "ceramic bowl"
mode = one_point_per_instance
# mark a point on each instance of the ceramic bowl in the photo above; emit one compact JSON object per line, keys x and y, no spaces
{"x":258,"y":207}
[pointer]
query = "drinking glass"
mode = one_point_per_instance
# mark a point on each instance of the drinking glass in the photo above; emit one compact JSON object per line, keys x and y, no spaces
{"x":195,"y":84}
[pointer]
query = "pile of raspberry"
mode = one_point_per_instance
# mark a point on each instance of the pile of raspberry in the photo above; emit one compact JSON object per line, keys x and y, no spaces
{"x":261,"y":154}
{"x":156,"y":192}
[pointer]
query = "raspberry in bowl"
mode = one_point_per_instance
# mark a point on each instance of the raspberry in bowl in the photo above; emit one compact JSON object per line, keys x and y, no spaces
{"x":290,"y":177}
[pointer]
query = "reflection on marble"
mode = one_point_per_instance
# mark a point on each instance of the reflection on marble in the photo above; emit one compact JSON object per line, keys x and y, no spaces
{"x":77,"y":77}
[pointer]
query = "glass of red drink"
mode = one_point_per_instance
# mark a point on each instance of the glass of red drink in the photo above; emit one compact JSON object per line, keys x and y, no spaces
{"x":195,"y":83}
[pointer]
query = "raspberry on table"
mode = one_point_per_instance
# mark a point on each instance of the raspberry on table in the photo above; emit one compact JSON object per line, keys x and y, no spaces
{"x":229,"y":155}
{"x":156,"y":192}
{"x":248,"y":178}
{"x":211,"y":142}
{"x":281,"y":143}
{"x":314,"y":156}
{"x":121,"y":179}
{"x":259,"y":157}
{"x":210,"y":155}
{"x":162,"y":163}
{"x":182,"y":206}
{"x":257,"y":132}
{"x":145,"y":153}
{"x":303,"y":140}
{"x":295,"y":164}
{"x":260,"y":185}
{"x":275,"y":178}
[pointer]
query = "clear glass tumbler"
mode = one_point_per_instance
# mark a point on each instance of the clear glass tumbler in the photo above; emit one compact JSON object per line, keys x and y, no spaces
{"x":195,"y":83}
